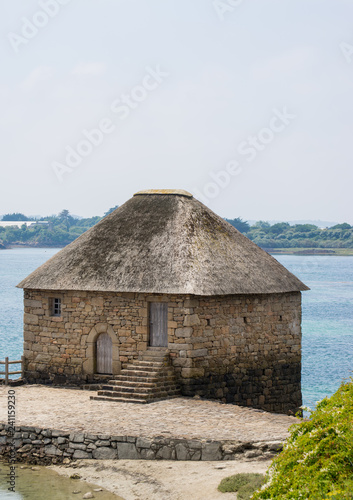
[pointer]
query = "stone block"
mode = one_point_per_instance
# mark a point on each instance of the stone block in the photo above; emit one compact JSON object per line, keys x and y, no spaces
{"x":143,"y":443}
{"x":183,"y":332}
{"x":198,"y":353}
{"x":192,"y":372}
{"x":81,"y":454}
{"x":211,"y":451}
{"x":127,"y":451}
{"x":102,"y":442}
{"x":77,"y":438}
{"x":191,"y":320}
{"x":104,"y":453}
{"x":182,"y":453}
{"x":165,"y":453}
{"x":52,"y":451}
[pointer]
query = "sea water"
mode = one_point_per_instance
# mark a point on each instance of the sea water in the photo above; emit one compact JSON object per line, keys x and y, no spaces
{"x":327,"y":314}
{"x":40,"y":483}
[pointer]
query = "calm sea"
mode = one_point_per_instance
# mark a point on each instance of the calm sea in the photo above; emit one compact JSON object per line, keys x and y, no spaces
{"x":327,"y":314}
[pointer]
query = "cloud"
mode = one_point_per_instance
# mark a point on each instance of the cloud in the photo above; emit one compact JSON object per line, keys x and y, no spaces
{"x":38,"y":75}
{"x":91,"y":69}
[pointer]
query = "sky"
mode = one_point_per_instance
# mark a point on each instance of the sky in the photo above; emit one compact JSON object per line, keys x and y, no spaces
{"x":247,"y":104}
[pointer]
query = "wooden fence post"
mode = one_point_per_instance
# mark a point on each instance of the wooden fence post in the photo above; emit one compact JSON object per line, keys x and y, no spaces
{"x":6,"y":371}
{"x":22,"y":367}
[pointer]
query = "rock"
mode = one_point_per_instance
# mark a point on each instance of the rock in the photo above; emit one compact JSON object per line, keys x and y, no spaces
{"x":165,"y":453}
{"x":182,"y":453}
{"x":77,"y":438}
{"x":103,"y":453}
{"x":127,"y":451}
{"x":211,"y":451}
{"x":75,"y":476}
{"x":52,"y":451}
{"x":25,"y":448}
{"x":88,"y":495}
{"x":143,"y":443}
{"x":81,"y":454}
{"x":66,"y":461}
{"x":102,"y":442}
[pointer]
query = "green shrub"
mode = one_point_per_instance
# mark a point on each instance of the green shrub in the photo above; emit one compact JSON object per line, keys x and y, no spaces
{"x":317,"y":459}
{"x":244,"y":484}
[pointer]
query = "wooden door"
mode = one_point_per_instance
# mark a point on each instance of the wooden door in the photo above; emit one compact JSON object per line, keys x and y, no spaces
{"x":104,"y":354}
{"x":159,"y":324}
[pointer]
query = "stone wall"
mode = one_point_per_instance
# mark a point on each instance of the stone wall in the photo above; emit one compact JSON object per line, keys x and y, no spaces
{"x":240,"y":349}
{"x":44,"y":446}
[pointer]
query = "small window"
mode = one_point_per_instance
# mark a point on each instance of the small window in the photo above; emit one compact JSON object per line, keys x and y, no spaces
{"x":56,"y":307}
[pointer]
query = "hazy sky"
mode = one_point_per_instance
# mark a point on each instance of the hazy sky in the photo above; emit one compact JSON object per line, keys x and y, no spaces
{"x":247,"y":104}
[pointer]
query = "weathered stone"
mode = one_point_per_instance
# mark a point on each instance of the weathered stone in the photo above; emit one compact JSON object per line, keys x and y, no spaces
{"x":102,"y":443}
{"x":81,"y":454}
{"x":165,"y":453}
{"x":78,"y":446}
{"x":143,"y":443}
{"x":77,"y":438}
{"x":191,"y":320}
{"x":25,"y":449}
{"x":127,"y":451}
{"x":52,"y":451}
{"x":211,"y":451}
{"x":104,"y":453}
{"x":182,"y":453}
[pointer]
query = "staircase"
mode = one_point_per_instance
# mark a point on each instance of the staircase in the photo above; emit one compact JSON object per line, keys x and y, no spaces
{"x":148,"y":379}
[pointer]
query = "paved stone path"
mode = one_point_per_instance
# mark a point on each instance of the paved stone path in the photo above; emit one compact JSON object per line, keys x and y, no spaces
{"x":71,"y":409}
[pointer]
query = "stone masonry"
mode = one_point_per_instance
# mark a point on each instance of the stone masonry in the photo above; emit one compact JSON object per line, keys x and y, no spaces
{"x":243,"y":349}
{"x":45,"y":446}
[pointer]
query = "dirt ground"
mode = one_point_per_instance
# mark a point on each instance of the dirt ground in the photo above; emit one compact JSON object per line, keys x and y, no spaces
{"x":161,"y":480}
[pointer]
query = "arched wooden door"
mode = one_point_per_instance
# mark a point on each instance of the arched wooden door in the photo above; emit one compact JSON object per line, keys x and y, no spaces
{"x":104,"y":354}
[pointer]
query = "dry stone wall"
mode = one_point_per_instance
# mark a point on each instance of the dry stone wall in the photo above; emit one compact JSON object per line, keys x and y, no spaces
{"x":44,"y":446}
{"x":242,"y":349}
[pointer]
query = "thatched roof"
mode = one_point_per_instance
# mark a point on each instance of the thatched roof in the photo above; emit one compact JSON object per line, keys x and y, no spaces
{"x":164,"y":242}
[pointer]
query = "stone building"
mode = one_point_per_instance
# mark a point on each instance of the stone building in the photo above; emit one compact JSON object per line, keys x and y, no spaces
{"x":163,"y":283}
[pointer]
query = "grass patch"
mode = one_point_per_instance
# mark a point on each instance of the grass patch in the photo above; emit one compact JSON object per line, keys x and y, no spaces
{"x":244,"y":484}
{"x":317,"y":458}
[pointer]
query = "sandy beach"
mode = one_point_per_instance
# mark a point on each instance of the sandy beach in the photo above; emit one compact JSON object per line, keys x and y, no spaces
{"x":161,"y":480}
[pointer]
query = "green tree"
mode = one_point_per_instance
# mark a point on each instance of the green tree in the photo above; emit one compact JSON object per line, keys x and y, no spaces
{"x":343,"y":226}
{"x":279,"y":228}
{"x":66,"y":218}
{"x":111,"y":210}
{"x":239,"y":224}
{"x":14,"y":217}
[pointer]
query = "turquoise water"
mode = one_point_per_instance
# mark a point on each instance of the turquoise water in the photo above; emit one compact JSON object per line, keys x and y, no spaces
{"x":327,"y":314}
{"x":327,"y":322}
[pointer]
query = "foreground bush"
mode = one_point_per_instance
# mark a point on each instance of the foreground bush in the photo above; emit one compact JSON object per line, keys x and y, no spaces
{"x":244,"y":484}
{"x":317,"y":459}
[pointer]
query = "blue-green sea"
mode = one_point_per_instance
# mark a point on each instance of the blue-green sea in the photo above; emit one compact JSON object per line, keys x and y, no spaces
{"x":327,"y":314}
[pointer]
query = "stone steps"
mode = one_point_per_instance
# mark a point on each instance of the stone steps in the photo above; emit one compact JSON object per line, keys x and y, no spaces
{"x":147,"y":379}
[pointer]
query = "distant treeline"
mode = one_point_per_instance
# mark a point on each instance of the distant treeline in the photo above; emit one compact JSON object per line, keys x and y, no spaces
{"x":63,"y":228}
{"x":283,"y":235}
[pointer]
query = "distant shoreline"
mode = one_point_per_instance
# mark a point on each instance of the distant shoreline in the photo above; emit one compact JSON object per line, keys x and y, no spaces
{"x":327,"y":252}
{"x":336,"y":252}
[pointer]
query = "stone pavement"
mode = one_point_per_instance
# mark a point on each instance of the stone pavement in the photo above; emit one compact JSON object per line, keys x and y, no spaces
{"x":72,"y":410}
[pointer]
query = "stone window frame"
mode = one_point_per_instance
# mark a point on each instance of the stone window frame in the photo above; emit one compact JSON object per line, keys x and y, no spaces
{"x":55,"y":309}
{"x":89,"y":365}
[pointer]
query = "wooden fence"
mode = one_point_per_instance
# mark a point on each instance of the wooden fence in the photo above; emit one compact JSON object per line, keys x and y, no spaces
{"x":7,"y":372}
